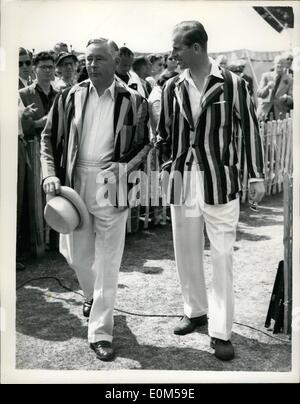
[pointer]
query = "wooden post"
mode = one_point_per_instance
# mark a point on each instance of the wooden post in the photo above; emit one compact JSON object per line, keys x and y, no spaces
{"x":289,"y":160}
{"x":287,"y":242}
{"x":267,"y":153}
{"x":283,"y":150}
{"x":277,"y":150}
{"x":271,"y":160}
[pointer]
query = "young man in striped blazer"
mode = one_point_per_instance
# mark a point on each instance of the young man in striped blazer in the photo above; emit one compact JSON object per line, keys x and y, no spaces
{"x":92,"y":130}
{"x":201,"y":111}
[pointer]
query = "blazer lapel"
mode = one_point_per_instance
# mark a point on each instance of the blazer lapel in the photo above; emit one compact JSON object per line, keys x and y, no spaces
{"x":80,"y":102}
{"x":212,"y":92}
{"x":122,"y":101}
{"x":182,"y":95}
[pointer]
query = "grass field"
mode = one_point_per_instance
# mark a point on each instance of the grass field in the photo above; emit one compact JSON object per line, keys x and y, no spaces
{"x":51,"y":332}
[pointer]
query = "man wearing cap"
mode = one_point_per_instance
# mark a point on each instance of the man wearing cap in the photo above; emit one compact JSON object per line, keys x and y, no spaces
{"x":200,"y":114}
{"x":96,"y":129}
{"x":66,"y":63}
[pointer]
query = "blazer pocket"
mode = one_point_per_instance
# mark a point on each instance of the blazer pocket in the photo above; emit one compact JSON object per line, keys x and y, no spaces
{"x":219,"y":102}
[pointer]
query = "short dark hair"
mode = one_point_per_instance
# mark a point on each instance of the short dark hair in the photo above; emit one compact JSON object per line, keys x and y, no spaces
{"x":193,"y":32}
{"x":42,"y":56}
{"x":24,"y":52}
{"x":139,"y":62}
{"x":153,"y":58}
{"x":124,"y":51}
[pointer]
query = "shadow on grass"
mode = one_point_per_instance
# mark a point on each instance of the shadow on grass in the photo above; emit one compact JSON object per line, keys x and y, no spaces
{"x":244,"y":235}
{"x":251,"y":355}
{"x":153,"y":244}
{"x":47,"y":320}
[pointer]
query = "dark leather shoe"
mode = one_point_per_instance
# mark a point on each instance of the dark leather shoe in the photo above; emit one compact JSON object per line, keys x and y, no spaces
{"x":187,"y":325}
{"x":86,"y":309}
{"x":104,"y":350}
{"x":223,"y":349}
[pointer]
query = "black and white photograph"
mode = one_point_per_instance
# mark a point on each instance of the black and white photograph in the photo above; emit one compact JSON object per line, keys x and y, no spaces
{"x":149,"y":193}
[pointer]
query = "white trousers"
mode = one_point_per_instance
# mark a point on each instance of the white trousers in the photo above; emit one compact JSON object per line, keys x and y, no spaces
{"x":95,"y":253}
{"x":221,"y":222}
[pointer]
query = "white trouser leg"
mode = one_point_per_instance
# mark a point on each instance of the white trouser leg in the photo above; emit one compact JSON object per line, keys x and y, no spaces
{"x":221,"y":222}
{"x":110,"y":238}
{"x":79,"y":250}
{"x":79,"y":247}
{"x":188,"y":237}
{"x":188,"y":241}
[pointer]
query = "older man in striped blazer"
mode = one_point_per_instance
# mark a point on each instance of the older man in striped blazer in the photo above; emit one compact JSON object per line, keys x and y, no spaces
{"x":92,"y":129}
{"x":202,"y":109}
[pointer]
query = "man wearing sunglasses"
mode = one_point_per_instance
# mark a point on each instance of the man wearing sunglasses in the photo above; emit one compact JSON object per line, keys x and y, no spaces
{"x":25,"y":68}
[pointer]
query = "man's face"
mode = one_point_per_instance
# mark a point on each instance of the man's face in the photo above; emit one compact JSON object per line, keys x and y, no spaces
{"x":100,"y":63}
{"x":125,"y":64}
{"x":44,"y":70}
{"x":67,"y":67}
{"x":289,"y":61}
{"x":279,"y":67}
{"x":145,"y":70}
{"x":171,"y":63}
{"x":157,"y":67}
{"x":182,"y":53}
{"x":25,"y":66}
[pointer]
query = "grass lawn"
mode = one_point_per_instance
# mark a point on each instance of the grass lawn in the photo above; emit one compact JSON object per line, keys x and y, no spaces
{"x":51,"y":331}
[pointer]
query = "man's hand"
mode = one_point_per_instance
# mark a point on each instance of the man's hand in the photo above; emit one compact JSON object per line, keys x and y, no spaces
{"x":51,"y":185}
{"x":29,"y":111}
{"x":40,"y":123}
{"x":256,"y":191}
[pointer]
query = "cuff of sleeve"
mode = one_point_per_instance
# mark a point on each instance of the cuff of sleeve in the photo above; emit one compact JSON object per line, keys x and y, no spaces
{"x":255,"y":180}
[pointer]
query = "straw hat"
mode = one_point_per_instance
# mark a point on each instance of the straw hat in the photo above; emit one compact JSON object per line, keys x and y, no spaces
{"x":66,"y":212}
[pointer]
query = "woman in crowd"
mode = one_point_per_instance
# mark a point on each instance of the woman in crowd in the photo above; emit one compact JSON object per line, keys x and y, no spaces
{"x":157,"y":63}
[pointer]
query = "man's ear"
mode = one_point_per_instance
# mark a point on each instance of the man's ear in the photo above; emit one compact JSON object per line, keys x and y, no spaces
{"x":197,"y":47}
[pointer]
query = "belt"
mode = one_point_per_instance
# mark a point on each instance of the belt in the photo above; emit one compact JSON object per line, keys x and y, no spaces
{"x":88,"y":163}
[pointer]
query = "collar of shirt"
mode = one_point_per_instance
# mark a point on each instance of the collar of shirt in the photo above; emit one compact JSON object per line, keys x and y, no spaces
{"x":214,"y":71}
{"x":51,"y":93}
{"x":110,"y":90}
{"x":25,"y":82}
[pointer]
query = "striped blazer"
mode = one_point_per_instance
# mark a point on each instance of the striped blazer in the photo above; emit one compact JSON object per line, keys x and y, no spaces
{"x":225,"y":109}
{"x":62,"y":134}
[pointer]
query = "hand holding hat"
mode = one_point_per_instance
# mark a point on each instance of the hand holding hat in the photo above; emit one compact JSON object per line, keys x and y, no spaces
{"x":64,"y":212}
{"x":51,"y":185}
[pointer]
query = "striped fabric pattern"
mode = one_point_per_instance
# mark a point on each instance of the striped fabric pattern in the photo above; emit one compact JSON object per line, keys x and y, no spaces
{"x":61,"y":136}
{"x":225,"y":108}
